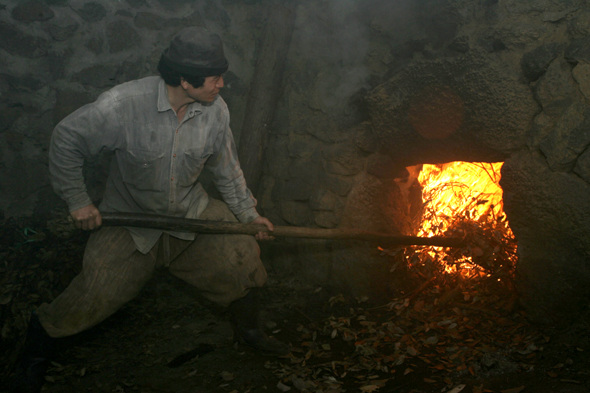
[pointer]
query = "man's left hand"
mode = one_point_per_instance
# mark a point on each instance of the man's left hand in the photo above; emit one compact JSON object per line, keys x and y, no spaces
{"x":263,"y":235}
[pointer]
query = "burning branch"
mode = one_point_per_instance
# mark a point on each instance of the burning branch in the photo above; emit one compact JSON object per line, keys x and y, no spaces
{"x":465,"y":200}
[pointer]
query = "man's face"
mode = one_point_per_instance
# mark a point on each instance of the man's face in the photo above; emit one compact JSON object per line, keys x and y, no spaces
{"x":208,"y":92}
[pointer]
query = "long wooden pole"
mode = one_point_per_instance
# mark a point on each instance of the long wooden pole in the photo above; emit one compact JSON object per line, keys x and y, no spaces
{"x":225,"y":227}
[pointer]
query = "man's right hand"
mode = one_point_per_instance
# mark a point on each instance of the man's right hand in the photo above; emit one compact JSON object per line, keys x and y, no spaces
{"x":87,"y":218}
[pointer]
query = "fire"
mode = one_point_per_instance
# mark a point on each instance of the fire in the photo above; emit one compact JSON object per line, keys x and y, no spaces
{"x":459,"y":189}
{"x":466,"y":198}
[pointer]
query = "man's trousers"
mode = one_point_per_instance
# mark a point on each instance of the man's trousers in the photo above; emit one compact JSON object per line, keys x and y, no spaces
{"x":221,"y":267}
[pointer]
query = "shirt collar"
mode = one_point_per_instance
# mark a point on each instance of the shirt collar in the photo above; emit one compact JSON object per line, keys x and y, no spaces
{"x":164,"y":103}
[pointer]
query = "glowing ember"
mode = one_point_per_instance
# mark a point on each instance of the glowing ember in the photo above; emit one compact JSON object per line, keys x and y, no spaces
{"x":462,"y":197}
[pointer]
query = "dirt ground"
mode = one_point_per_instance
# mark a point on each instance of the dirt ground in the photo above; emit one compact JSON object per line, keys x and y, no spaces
{"x":426,"y":340}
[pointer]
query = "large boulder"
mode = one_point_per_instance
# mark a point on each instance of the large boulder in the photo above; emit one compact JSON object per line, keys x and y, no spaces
{"x":549,"y":212}
{"x":471,"y":107}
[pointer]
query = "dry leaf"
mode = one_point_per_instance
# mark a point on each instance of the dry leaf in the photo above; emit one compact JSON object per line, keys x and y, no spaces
{"x":513,"y":390}
{"x":370,"y":388}
{"x":457,"y":388}
{"x":227,"y":376}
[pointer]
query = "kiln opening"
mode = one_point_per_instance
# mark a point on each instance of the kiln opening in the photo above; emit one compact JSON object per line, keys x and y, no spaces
{"x":463,"y":199}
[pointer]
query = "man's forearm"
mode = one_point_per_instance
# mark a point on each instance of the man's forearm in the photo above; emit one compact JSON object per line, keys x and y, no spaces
{"x":67,"y":179}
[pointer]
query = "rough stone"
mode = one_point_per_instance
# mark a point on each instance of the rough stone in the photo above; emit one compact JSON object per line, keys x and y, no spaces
{"x":325,"y":128}
{"x":67,"y":101}
{"x":173,"y":5}
{"x":466,"y":93}
{"x":581,"y":73}
{"x":100,"y":75}
{"x":460,"y":44}
{"x":364,"y":139}
{"x":555,"y":91}
{"x":124,"y":13}
{"x":95,"y":45}
{"x":383,"y":166}
{"x":8,"y":115}
{"x":91,"y":11}
{"x":296,"y":213}
{"x":217,"y":14}
{"x":15,"y":42}
{"x":121,"y":36}
{"x":569,"y":137}
{"x":32,"y":11}
{"x":151,"y":21}
{"x":129,"y":70}
{"x":325,"y":200}
{"x":137,"y":3}
{"x":28,"y":82}
{"x":372,"y":206}
{"x":582,"y":167}
{"x":194,"y":19}
{"x":295,"y":189}
{"x":579,"y":50}
{"x":535,"y":63}
{"x":63,"y":28}
{"x":327,"y":219}
{"x":300,"y":146}
{"x":278,"y":167}
{"x":340,"y":185}
{"x":579,"y":25}
{"x":343,"y":159}
{"x":549,"y":213}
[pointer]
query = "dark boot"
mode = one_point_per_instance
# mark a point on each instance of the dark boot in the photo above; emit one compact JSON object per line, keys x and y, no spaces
{"x":36,"y":354}
{"x":244,"y":318}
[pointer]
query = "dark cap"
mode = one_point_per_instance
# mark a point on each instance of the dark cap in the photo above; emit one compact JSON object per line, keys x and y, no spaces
{"x":196,"y":51}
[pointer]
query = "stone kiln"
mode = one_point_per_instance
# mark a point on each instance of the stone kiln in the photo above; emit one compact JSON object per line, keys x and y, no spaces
{"x":472,"y":108}
{"x":369,"y":88}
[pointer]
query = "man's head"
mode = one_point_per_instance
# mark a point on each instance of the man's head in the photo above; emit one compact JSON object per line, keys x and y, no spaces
{"x":194,"y":54}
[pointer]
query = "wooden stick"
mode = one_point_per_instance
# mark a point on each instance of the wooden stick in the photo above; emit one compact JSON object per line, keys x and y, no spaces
{"x":225,"y":227}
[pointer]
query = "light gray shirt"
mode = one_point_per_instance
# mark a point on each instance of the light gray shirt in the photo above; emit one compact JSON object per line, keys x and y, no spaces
{"x":157,"y":160}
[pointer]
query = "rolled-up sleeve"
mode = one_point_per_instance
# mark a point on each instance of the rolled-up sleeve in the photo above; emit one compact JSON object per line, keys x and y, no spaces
{"x":83,"y":134}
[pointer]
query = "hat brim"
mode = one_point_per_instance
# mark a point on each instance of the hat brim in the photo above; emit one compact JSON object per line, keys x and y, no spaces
{"x":186,"y":69}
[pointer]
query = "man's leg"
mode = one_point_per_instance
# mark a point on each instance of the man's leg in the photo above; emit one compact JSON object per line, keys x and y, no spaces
{"x":227,"y":270}
{"x":113,"y":273}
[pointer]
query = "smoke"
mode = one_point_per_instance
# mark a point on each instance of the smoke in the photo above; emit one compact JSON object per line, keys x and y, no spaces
{"x":335,"y":39}
{"x":334,"y":44}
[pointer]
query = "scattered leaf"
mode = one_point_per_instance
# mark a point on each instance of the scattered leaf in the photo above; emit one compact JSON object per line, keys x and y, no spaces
{"x":513,"y":390}
{"x":370,"y":388}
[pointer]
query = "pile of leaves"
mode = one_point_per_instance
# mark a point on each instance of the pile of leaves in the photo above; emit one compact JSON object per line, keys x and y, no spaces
{"x":34,"y":268}
{"x":447,"y":330}
{"x":460,"y":322}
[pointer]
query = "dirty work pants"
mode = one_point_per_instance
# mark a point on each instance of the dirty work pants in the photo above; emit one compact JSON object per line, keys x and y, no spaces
{"x":221,"y":267}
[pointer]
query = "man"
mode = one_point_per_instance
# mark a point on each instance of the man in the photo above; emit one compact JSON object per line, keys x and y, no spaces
{"x":164,"y":130}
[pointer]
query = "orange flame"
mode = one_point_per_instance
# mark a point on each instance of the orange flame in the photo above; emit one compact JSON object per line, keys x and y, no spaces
{"x":462,"y":191}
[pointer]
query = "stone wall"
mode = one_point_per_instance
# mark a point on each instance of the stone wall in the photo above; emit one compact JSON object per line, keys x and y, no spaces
{"x":58,"y":55}
{"x":370,"y":87}
{"x":449,"y":80}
